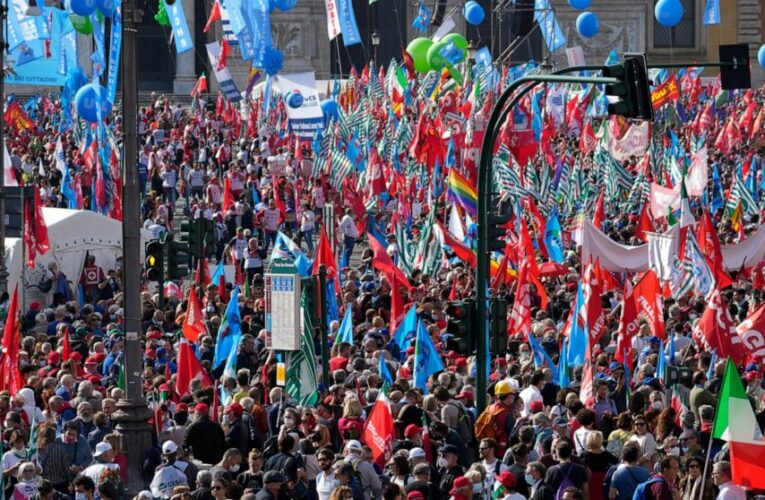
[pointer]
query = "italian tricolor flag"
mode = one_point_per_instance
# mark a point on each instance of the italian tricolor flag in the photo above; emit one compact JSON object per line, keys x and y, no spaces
{"x":735,"y":422}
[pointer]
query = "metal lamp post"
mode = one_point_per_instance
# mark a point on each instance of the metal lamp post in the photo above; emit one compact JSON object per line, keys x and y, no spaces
{"x":375,"y":42}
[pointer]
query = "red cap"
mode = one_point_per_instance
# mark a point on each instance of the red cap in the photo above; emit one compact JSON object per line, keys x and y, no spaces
{"x":507,"y":479}
{"x":465,"y":395}
{"x":450,"y":354}
{"x":164,"y":388}
{"x":201,"y":408}
{"x":460,"y":362}
{"x":536,"y":406}
{"x":234,"y":408}
{"x":76,"y":356}
{"x":53,"y":357}
{"x":181,"y":407}
{"x":412,"y":430}
{"x":410,"y":351}
{"x":414,"y":495}
{"x":154,"y":335}
{"x":461,"y":482}
{"x":91,"y":360}
{"x":99,"y":356}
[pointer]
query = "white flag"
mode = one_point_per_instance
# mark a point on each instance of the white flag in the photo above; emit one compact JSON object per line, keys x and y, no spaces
{"x":662,"y":250}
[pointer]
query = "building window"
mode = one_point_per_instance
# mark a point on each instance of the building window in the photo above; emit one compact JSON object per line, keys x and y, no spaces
{"x":681,"y":36}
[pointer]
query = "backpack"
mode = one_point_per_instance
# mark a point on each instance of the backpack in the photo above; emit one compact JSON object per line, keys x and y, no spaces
{"x":357,"y":475}
{"x":464,"y":424}
{"x":565,"y":483}
{"x":640,"y":491}
{"x":486,"y":421}
{"x":607,"y":480}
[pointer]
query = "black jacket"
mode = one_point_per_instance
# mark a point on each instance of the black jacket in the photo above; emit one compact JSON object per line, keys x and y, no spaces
{"x":238,"y":436}
{"x":543,"y":492}
{"x":205,"y":441}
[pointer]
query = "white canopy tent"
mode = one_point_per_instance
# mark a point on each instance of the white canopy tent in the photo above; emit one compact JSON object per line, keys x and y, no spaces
{"x":72,"y":234}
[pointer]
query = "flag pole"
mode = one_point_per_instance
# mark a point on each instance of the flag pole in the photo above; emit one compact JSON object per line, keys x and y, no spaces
{"x":706,"y":465}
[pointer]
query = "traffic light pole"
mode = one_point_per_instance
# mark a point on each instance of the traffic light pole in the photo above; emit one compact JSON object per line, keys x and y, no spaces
{"x":323,"y":326}
{"x":132,"y":414}
{"x":498,"y":116}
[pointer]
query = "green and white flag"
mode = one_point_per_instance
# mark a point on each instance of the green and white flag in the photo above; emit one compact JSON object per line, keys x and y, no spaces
{"x":302,"y":383}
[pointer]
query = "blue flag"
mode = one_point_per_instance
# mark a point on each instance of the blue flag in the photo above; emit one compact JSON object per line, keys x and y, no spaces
{"x":662,"y":364}
{"x":541,"y":357}
{"x":426,"y":359}
{"x":384,"y":372}
{"x":332,"y":311}
{"x":407,"y":328}
{"x":671,"y":348}
{"x":230,"y":330}
{"x":422,"y":21}
{"x":712,"y":12}
{"x":563,"y":378}
{"x":553,"y":239}
{"x":712,"y":363}
{"x":345,"y":333}
{"x":552,"y":33}
{"x":577,"y":348}
{"x":717,"y":191}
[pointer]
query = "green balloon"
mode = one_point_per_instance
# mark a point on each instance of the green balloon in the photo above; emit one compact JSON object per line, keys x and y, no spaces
{"x":81,"y":24}
{"x":418,"y":49}
{"x":459,"y":41}
{"x":456,"y":75}
{"x":435,"y":60}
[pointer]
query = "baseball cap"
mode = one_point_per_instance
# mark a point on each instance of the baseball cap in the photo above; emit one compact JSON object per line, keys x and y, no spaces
{"x":416,"y":453}
{"x":536,"y":406}
{"x":104,"y":447}
{"x":273,"y":476}
{"x":169,"y":447}
{"x":461,"y":482}
{"x":353,"y":444}
{"x":412,"y":430}
{"x":449,"y":448}
{"x":414,"y":495}
{"x":507,"y":479}
{"x":201,"y":408}
{"x":234,"y":408}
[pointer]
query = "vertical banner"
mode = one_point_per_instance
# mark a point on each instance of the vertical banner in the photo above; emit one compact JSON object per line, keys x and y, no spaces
{"x":333,"y":19}
{"x":575,"y":56}
{"x":348,"y":25}
{"x":226,"y":82}
{"x":257,"y":17}
{"x":233,"y":10}
{"x":99,"y":29}
{"x":301,"y":99}
{"x":544,"y":15}
{"x":115,"y":46}
{"x":183,"y":41}
{"x":36,"y":68}
{"x":712,"y":12}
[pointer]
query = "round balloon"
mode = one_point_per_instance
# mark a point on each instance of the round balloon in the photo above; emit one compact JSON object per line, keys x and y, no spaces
{"x":587,"y":24}
{"x":580,"y":4}
{"x":83,"y":7}
{"x":106,"y":7}
{"x":286,"y":5}
{"x":668,"y":12}
{"x":473,"y":12}
{"x":761,"y":56}
{"x":81,"y":24}
{"x":294,"y":99}
{"x":418,"y":49}
{"x":435,"y":59}
{"x":330,"y":109}
{"x":85,"y":102}
{"x":459,"y":41}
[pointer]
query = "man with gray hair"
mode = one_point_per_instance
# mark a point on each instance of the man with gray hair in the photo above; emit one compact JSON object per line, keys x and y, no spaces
{"x":721,"y":475}
{"x":203,"y":482}
{"x":370,"y":481}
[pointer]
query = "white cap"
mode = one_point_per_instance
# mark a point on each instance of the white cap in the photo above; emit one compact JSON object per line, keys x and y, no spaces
{"x":353,"y":444}
{"x":416,"y":453}
{"x":102,"y":448}
{"x":169,"y":447}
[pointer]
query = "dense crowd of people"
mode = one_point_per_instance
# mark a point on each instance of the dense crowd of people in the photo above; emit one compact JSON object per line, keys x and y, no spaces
{"x":637,"y":436}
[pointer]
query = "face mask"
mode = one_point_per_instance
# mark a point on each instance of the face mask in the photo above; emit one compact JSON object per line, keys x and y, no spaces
{"x":289,"y":422}
{"x":477,"y":488}
{"x":529,"y":479}
{"x":337,"y":483}
{"x":441,"y":462}
{"x":70,"y":439}
{"x":234,"y":468}
{"x":80,"y":496}
{"x":674,"y":451}
{"x":657,"y":405}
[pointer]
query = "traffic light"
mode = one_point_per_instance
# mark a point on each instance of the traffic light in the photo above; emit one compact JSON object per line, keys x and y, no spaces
{"x":735,"y":72}
{"x":310,"y":300}
{"x":497,"y":233}
{"x":461,"y":325}
{"x":154,"y":264}
{"x":497,"y":325}
{"x":177,"y":259}
{"x":633,"y":89}
{"x":199,"y":235}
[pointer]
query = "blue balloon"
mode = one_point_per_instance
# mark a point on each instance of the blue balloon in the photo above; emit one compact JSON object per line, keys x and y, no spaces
{"x":761,"y":56}
{"x":273,"y":60}
{"x":580,"y":4}
{"x":473,"y":12}
{"x":295,"y":99}
{"x":668,"y":12}
{"x":285,"y":5}
{"x":85,"y":102}
{"x":106,"y":7}
{"x":83,"y":7}
{"x":587,"y":24}
{"x":331,"y":110}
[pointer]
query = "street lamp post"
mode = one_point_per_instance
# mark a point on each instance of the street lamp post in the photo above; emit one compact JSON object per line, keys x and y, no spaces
{"x":375,"y":43}
{"x":132,"y":416}
{"x":3,"y":266}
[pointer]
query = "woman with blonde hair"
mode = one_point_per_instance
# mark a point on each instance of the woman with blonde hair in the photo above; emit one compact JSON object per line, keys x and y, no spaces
{"x":598,"y":460}
{"x":341,"y":493}
{"x":120,"y":457}
{"x":351,"y":423}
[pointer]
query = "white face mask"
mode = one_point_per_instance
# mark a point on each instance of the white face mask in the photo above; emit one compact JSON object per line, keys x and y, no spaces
{"x":441,"y":462}
{"x":674,"y":451}
{"x":233,"y":468}
{"x":477,"y":488}
{"x":289,"y":421}
{"x":657,"y":405}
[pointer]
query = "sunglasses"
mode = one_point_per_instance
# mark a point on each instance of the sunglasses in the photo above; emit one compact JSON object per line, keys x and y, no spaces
{"x":216,"y":488}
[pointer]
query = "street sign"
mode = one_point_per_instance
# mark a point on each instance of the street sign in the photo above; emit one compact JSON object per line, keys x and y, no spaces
{"x":283,"y":309}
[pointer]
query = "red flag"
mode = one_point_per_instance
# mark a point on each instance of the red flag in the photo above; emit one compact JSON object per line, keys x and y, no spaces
{"x":528,"y":248}
{"x":116,"y":205}
{"x":596,"y":316}
{"x":189,"y":368}
{"x":628,"y":325}
{"x":382,"y":262}
{"x":228,"y":196}
{"x":587,"y":140}
{"x":325,"y":257}
{"x":378,"y":432}
{"x":757,"y":123}
{"x":644,"y":225}
{"x":464,"y":253}
{"x":586,"y":392}
{"x":752,"y":334}
{"x":203,"y":273}
{"x":649,"y":301}
{"x":600,"y":211}
{"x":216,"y":402}
{"x":521,"y":313}
{"x":709,"y":244}
{"x":200,"y":87}
{"x":17,"y":117}
{"x":194,"y":323}
{"x":66,"y":351}
{"x":223,"y":54}
{"x":758,"y":280}
{"x":10,"y":376}
{"x":215,"y":15}
{"x":35,"y":230}
{"x":715,"y":330}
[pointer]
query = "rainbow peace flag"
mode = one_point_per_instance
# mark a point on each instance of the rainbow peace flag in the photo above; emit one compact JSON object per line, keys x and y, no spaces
{"x":462,"y":192}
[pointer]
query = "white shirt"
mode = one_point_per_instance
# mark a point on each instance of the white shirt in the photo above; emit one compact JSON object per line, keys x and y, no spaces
{"x":325,"y":485}
{"x":348,"y":227}
{"x":580,"y":440}
{"x":491,"y":472}
{"x":95,"y":470}
{"x":529,"y":394}
{"x":10,"y":459}
{"x":514,"y":496}
{"x":730,"y":491}
{"x":307,"y":220}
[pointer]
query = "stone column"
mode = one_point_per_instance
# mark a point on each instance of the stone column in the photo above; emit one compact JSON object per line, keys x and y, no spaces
{"x":749,"y":31}
{"x":185,"y":76}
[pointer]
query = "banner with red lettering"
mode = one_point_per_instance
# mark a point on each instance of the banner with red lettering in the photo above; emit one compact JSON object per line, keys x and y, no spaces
{"x":666,"y":92}
{"x":378,"y":432}
{"x":752,"y":334}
